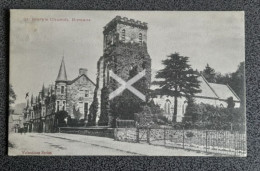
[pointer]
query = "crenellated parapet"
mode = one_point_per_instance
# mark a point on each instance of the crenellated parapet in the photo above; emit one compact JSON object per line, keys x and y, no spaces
{"x":125,"y":21}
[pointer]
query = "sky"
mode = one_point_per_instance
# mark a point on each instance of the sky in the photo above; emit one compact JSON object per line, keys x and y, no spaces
{"x":40,"y":38}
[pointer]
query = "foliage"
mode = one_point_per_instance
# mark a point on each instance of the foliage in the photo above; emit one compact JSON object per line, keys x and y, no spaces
{"x":60,"y":116}
{"x":189,"y":134}
{"x":12,"y":95}
{"x":191,"y":114}
{"x":211,"y":117}
{"x":93,"y":111}
{"x":230,"y":102}
{"x":126,"y":60}
{"x":103,"y":119}
{"x":235,"y":80}
{"x":76,"y":113}
{"x":209,"y":74}
{"x":177,"y":79}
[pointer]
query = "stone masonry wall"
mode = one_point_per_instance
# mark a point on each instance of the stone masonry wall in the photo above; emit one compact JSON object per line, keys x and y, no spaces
{"x":76,"y":95}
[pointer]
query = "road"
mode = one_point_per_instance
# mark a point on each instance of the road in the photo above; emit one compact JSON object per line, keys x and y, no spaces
{"x":47,"y":144}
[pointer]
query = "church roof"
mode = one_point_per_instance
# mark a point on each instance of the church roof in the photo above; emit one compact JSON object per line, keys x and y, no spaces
{"x":212,"y":90}
{"x":224,"y":91}
{"x":62,"y":76}
{"x":206,"y":89}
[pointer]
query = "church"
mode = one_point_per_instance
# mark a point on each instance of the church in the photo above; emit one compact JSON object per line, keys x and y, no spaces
{"x":125,"y":53}
{"x":125,"y":48}
{"x":211,"y":93}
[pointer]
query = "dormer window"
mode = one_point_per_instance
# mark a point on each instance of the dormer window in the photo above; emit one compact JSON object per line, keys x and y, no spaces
{"x":140,"y":38}
{"x":123,"y":35}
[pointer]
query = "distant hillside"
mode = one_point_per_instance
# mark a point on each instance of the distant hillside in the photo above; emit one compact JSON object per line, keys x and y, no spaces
{"x":18,"y":108}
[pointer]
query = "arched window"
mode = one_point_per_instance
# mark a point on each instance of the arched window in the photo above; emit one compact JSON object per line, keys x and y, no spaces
{"x":140,"y":38}
{"x":123,"y":35}
{"x":167,"y":107}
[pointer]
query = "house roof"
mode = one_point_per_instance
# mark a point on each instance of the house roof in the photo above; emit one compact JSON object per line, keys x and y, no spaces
{"x":62,"y":76}
{"x":72,"y":81}
{"x":15,"y":117}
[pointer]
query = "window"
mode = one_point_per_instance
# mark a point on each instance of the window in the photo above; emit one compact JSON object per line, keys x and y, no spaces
{"x":58,"y":106}
{"x":86,"y":93}
{"x":62,"y":89}
{"x":167,"y":107}
{"x":63,"y":107}
{"x":85,"y":110}
{"x":123,"y":35}
{"x":140,"y":38}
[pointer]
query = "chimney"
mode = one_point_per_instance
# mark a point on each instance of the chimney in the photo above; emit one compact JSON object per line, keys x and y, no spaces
{"x":83,"y":71}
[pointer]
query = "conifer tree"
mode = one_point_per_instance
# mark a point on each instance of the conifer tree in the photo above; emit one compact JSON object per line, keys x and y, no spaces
{"x":177,"y":79}
{"x":209,"y":74}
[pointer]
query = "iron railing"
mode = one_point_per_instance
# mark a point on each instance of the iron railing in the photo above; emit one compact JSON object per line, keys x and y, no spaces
{"x":232,"y":143}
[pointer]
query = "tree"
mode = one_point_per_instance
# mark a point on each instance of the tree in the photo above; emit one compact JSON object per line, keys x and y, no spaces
{"x":191,"y":114}
{"x":12,"y":95}
{"x":230,"y":102}
{"x":93,"y":111}
{"x":76,"y":113}
{"x":177,"y":79}
{"x":236,"y":81}
{"x":209,"y":74}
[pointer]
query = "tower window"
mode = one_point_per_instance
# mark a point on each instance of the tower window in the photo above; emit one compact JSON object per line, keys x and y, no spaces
{"x":123,"y":35}
{"x":140,"y":38}
{"x":62,"y":89}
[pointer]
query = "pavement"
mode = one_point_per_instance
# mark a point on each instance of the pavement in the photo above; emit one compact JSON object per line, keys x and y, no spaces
{"x":48,"y":144}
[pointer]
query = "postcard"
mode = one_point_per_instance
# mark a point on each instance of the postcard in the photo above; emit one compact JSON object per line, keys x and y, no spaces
{"x":123,"y":83}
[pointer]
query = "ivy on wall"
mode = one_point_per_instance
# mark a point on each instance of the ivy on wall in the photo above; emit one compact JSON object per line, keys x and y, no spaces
{"x":126,"y":60}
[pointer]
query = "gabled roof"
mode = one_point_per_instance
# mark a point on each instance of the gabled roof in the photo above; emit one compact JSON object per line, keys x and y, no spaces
{"x":206,"y":90}
{"x":15,"y":117}
{"x":224,"y":91}
{"x":72,"y":81}
{"x":62,"y":76}
{"x":212,"y":90}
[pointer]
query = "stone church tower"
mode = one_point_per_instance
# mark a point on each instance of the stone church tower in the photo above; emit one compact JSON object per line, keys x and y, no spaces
{"x":125,"y":53}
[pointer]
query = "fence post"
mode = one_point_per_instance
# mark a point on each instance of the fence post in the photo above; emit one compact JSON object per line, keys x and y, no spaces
{"x":206,"y":141}
{"x":183,"y":136}
{"x":59,"y":129}
{"x":164,"y":136}
{"x":235,"y":142}
{"x":137,"y":134}
{"x":148,"y":136}
{"x":115,"y":134}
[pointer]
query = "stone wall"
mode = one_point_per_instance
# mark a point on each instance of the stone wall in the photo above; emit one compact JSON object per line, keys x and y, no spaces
{"x":76,"y":95}
{"x":100,"y":132}
{"x":131,"y":33}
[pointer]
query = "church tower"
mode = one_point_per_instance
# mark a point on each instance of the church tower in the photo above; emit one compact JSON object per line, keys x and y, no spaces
{"x":124,"y":53}
{"x":61,"y":88}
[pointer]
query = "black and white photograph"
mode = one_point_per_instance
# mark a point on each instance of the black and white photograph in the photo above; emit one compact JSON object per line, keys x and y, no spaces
{"x":127,"y":83}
